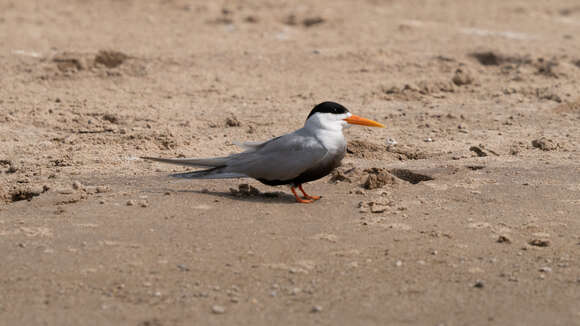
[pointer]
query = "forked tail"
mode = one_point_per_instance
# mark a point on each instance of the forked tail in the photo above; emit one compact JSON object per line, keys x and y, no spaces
{"x":196,"y":162}
{"x":213,"y":173}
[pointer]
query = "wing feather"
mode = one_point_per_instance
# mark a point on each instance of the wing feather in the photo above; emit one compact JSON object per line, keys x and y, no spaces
{"x":283,"y":158}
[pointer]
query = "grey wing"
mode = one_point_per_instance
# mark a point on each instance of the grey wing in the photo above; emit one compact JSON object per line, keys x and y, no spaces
{"x":283,"y":158}
{"x":253,"y":145}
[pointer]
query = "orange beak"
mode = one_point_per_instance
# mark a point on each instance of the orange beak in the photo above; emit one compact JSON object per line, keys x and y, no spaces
{"x":356,"y":120}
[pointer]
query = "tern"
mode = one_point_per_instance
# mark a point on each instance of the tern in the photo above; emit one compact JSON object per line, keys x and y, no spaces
{"x":304,"y":155}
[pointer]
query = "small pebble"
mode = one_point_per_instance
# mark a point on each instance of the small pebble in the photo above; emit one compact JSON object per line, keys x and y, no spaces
{"x":218,"y":310}
{"x":232,"y":122}
{"x":295,"y":291}
{"x":130,"y":203}
{"x":316,"y":309}
{"x":377,"y":209}
{"x":478,"y":284}
{"x":102,"y":189}
{"x":77,"y":185}
{"x":540,"y":242}
{"x":546,"y":269}
{"x":399,"y":263}
{"x":504,"y":239}
{"x":183,"y":268}
{"x":462,"y":77}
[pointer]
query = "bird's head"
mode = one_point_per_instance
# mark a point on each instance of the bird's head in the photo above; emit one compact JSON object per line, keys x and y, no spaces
{"x":333,"y":116}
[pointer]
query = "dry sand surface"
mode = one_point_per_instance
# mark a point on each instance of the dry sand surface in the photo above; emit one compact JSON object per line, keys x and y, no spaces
{"x":465,"y":210}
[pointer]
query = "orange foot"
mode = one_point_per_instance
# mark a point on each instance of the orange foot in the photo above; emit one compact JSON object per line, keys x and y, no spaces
{"x":307,"y":195}
{"x":300,"y":200}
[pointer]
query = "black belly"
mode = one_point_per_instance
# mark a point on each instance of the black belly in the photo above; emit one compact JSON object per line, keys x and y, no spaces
{"x":317,"y":172}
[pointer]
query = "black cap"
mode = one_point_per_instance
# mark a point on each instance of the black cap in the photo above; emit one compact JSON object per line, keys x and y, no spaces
{"x":328,"y":107}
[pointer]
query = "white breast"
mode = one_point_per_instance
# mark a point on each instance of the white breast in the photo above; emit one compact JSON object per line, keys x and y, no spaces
{"x":333,"y":140}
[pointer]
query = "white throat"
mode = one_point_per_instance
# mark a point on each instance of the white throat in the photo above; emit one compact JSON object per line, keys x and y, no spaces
{"x":327,"y":128}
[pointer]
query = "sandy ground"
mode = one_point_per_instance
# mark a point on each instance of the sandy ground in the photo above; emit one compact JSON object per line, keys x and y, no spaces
{"x":465,"y":210}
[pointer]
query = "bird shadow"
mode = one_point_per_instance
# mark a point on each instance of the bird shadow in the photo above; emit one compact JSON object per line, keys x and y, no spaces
{"x":277,"y":197}
{"x":263,"y":197}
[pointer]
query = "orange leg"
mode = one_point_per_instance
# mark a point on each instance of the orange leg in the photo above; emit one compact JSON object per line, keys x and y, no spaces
{"x":307,"y":195}
{"x":298,"y":199}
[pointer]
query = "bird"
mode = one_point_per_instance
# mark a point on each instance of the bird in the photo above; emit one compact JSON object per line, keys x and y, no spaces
{"x":304,"y":155}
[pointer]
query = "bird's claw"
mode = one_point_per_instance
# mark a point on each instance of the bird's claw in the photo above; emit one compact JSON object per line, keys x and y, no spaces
{"x":307,"y":196}
{"x":304,"y":201}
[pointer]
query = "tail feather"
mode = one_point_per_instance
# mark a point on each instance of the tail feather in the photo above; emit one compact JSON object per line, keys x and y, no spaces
{"x":195,"y":162}
{"x":214,"y":173}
